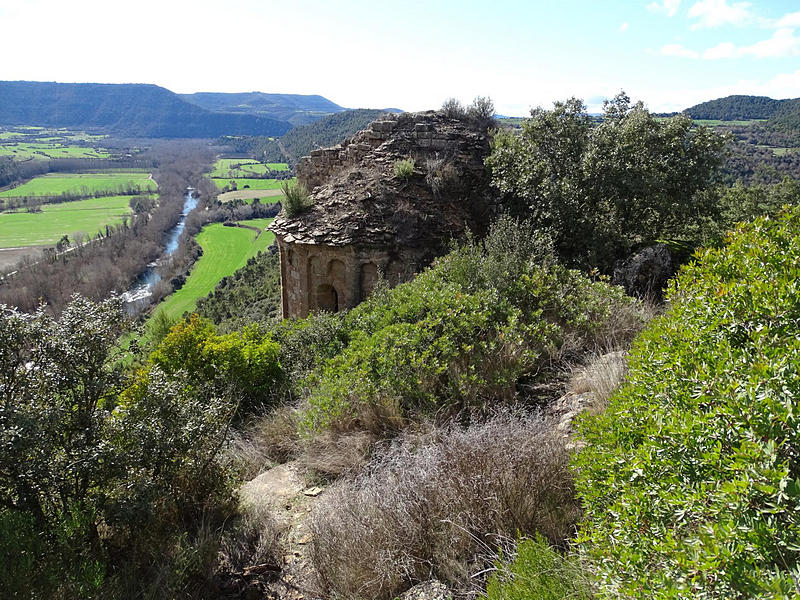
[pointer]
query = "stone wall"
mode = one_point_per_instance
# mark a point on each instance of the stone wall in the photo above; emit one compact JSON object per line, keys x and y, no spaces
{"x":332,"y":278}
{"x":324,"y":163}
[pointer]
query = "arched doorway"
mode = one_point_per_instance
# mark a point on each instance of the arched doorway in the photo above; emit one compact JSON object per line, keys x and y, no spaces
{"x":327,"y":298}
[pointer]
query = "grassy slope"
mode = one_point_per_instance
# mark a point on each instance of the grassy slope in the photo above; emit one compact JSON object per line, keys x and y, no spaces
{"x":54,"y":184}
{"x":55,"y":220}
{"x":225,"y":250}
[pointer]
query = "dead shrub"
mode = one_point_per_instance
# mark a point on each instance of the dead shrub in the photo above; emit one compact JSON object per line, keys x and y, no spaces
{"x":439,"y":504}
{"x":255,"y":539}
{"x":441,"y":175}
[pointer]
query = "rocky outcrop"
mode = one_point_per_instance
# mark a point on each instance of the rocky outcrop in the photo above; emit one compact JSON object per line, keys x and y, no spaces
{"x":366,"y":221}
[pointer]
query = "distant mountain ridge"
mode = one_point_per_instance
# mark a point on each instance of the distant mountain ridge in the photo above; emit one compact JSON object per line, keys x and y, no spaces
{"x":132,"y":110}
{"x":779,"y":113}
{"x":297,"y":109}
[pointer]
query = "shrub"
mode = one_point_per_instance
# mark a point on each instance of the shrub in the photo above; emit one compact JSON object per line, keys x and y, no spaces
{"x":92,"y":486}
{"x":296,"y":198}
{"x":453,"y":109}
{"x":438,"y":505}
{"x":461,"y":335}
{"x":404,"y":169}
{"x":689,"y":479}
{"x":481,"y":112}
{"x":243,"y":363}
{"x":538,"y":571}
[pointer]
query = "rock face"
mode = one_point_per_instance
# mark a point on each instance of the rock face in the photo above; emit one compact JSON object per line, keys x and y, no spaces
{"x":366,"y":222}
{"x":646,"y":273}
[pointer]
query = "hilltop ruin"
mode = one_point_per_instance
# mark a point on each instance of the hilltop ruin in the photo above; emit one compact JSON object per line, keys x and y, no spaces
{"x":370,"y":218}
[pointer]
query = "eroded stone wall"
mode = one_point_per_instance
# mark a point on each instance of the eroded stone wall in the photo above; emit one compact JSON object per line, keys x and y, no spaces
{"x":317,"y":278}
{"x":324,"y":163}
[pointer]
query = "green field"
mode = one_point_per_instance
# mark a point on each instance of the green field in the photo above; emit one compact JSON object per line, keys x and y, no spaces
{"x":38,"y":143}
{"x":717,"y":122}
{"x":253,"y":184}
{"x":47,"y":227}
{"x":27,"y":151}
{"x":54,"y":184}
{"x":244,"y":167}
{"x":225,"y":250}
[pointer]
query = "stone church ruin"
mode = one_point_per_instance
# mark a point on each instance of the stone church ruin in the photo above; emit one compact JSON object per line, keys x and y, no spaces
{"x":372,"y":219}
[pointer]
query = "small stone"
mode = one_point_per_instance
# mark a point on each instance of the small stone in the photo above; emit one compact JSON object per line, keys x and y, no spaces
{"x":313,"y":491}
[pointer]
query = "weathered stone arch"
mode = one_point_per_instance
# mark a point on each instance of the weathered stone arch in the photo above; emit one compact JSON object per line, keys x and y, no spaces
{"x":327,"y":298}
{"x":394,"y":272}
{"x":369,"y":277}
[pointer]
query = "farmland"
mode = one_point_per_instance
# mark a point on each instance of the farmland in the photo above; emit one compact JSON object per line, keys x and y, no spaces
{"x":244,"y":167}
{"x":225,"y":250}
{"x":56,"y":220}
{"x":56,"y":184}
{"x":37,"y":143}
{"x":253,"y":184}
{"x":264,"y":196}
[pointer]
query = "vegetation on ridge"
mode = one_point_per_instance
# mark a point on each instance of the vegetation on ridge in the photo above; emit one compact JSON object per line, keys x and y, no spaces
{"x":689,"y":479}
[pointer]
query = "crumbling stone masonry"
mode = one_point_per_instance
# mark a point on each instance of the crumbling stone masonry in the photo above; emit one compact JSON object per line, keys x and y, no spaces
{"x":367,"y":223}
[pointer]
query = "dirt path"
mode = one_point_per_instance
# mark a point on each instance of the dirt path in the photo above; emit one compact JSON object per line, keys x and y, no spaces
{"x":283,"y":490}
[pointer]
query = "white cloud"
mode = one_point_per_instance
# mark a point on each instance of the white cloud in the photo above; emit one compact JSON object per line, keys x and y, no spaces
{"x":782,"y":44}
{"x":669,"y":7}
{"x":678,"y":50}
{"x":790,"y":20}
{"x":715,"y":13}
{"x":723,"y":50}
{"x":624,"y":27}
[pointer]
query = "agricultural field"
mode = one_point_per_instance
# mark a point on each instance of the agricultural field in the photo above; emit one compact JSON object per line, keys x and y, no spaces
{"x":264,"y":196}
{"x":720,"y":123}
{"x":37,"y":143}
{"x":244,"y":167}
{"x":20,"y":229}
{"x":56,"y":184}
{"x":225,"y":250}
{"x":252,"y":184}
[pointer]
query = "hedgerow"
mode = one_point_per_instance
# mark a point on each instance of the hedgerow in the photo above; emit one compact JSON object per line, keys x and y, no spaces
{"x":691,"y":478}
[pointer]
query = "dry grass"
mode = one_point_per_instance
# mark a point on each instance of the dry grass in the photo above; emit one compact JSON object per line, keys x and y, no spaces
{"x":330,"y":455}
{"x":268,"y":440}
{"x":438,"y":505}
{"x":601,"y":377}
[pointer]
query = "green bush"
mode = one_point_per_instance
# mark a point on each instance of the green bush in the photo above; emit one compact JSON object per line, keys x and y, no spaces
{"x":690,"y":478}
{"x":95,"y":483}
{"x":244,"y":364}
{"x":296,"y":198}
{"x":404,"y":169}
{"x":538,"y":572}
{"x":462,"y":334}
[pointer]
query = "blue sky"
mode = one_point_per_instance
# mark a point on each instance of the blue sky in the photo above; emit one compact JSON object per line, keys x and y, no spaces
{"x":413,"y":54}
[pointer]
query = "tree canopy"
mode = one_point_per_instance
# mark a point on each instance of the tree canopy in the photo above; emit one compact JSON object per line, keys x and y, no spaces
{"x":600,"y":190}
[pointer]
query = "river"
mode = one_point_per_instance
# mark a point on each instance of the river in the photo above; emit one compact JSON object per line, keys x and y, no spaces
{"x":137,"y":298}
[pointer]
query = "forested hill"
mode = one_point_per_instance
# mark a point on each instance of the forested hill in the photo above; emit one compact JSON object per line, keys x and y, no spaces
{"x":298,"y":109}
{"x":133,"y":110}
{"x":732,"y":108}
{"x":300,"y":141}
